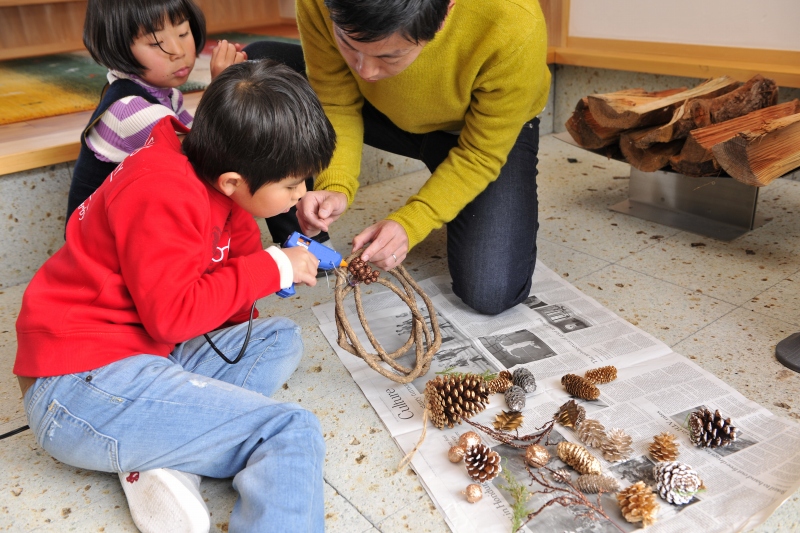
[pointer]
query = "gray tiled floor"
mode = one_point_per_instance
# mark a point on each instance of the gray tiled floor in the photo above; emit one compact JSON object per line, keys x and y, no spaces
{"x":719,"y":304}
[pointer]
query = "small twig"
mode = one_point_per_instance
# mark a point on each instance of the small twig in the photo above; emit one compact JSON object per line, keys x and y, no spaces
{"x":505,"y":437}
{"x":568,"y":496}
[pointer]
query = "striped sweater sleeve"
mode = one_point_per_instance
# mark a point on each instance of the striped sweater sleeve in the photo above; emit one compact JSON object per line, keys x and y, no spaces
{"x":126,"y":125}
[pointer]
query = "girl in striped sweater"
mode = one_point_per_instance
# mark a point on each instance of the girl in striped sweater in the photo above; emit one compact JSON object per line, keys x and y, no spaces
{"x":149,"y":47}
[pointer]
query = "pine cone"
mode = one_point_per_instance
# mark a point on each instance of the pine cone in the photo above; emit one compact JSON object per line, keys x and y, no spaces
{"x":709,"y":430}
{"x":483,"y":464}
{"x":617,"y":446}
{"x":562,"y":475}
{"x":571,"y":414}
{"x":592,"y":433}
{"x":638,"y":504}
{"x":664,"y":447}
{"x":594,"y":483}
{"x":499,"y":384}
{"x":677,"y":482}
{"x":580,"y":387}
{"x":515,"y":398}
{"x":604,"y":374}
{"x":362,"y":272}
{"x":578,"y":458}
{"x":524,"y":379}
{"x":451,"y":398}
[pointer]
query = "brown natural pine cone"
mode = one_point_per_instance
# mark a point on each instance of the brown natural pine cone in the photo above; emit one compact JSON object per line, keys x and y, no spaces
{"x":580,"y":387}
{"x":638,"y":504}
{"x":617,"y":446}
{"x":594,"y":483}
{"x":451,"y":398}
{"x":710,"y":430}
{"x":483,"y":464}
{"x":604,"y":374}
{"x":677,"y":482}
{"x":664,"y":447}
{"x":578,"y":458}
{"x":571,"y":414}
{"x":592,"y":433}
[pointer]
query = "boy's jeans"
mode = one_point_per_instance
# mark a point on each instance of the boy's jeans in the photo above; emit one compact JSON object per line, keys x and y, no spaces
{"x":195,"y":413}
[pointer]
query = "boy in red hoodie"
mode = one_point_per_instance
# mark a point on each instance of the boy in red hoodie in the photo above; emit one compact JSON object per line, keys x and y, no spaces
{"x":115,"y":370}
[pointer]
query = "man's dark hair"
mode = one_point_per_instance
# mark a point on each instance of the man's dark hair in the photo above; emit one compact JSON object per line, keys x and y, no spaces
{"x":111,"y":26}
{"x":262,"y":120}
{"x":368,"y":21}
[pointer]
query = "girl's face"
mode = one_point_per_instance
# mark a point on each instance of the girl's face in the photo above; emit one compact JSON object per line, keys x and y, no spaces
{"x":167,"y":55}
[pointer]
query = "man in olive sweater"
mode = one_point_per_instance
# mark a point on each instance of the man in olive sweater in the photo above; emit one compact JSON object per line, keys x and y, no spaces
{"x":457,"y":84}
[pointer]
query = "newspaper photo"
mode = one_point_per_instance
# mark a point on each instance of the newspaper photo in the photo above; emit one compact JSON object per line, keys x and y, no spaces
{"x":555,"y":331}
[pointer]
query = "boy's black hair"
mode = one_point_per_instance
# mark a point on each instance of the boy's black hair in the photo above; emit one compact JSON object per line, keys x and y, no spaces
{"x":262,"y":120}
{"x":111,"y":26}
{"x":368,"y":21}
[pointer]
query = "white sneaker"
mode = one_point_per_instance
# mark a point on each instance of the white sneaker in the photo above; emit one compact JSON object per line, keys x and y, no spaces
{"x":164,"y":500}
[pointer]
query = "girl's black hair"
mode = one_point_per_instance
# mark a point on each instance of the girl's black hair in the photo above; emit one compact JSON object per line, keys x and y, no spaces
{"x":262,"y":120}
{"x":372,"y":20}
{"x":111,"y":26}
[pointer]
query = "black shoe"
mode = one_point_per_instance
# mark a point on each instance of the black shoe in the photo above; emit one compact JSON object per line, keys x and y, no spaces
{"x":788,"y":352}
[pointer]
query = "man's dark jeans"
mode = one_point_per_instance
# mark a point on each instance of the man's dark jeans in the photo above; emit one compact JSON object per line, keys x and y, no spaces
{"x":491,"y":244}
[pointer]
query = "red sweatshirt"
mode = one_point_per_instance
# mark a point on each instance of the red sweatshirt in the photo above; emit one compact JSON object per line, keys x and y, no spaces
{"x":153,"y":258}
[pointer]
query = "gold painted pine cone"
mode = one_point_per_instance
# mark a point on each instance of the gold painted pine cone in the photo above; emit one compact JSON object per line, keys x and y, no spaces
{"x":483,"y":464}
{"x":578,"y":458}
{"x":562,"y":475}
{"x":618,"y":445}
{"x":580,"y":387}
{"x":664,"y":447}
{"x":592,"y":433}
{"x":638,"y":504}
{"x":456,"y":454}
{"x":474,"y":492}
{"x":499,"y":384}
{"x":571,"y":414}
{"x":468,"y":438}
{"x":594,"y":483}
{"x":604,"y":374}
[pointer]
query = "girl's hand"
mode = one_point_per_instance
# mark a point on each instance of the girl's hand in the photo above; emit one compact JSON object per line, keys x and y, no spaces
{"x":304,"y":265}
{"x":224,"y":55}
{"x":388,"y":244}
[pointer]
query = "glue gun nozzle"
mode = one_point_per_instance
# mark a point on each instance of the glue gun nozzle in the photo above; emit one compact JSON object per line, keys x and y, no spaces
{"x":344,"y":263}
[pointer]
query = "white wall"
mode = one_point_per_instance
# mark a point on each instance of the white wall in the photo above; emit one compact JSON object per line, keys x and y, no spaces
{"x":771,"y":24}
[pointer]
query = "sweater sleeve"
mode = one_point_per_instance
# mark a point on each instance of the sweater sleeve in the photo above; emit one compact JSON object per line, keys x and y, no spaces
{"x":332,"y":80}
{"x":501,"y":103}
{"x":164,"y":259}
{"x":125,"y":126}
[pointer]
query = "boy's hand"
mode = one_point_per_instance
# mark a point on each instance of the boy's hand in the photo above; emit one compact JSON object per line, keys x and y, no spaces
{"x":389,"y":244}
{"x":317,"y":210}
{"x":304,"y":265}
{"x":224,"y":55}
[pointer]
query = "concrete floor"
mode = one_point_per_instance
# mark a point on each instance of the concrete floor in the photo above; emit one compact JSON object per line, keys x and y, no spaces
{"x":724,"y":305}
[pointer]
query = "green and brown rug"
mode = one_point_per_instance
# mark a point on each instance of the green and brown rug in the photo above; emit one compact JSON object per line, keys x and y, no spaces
{"x":59,"y":84}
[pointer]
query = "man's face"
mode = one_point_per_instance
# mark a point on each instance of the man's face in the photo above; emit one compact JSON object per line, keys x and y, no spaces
{"x":380,"y":59}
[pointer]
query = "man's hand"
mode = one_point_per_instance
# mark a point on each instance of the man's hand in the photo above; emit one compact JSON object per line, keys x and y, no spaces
{"x":317,"y":210}
{"x":224,"y":55}
{"x":389,"y":244}
{"x":304,"y":265}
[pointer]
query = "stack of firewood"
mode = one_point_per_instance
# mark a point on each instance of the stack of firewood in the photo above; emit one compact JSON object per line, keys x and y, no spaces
{"x":718,"y":127}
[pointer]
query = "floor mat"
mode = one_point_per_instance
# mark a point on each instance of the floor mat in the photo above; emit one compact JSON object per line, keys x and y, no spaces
{"x":59,"y":84}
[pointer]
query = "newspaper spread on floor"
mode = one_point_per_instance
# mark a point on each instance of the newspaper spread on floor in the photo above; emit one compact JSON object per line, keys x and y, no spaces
{"x":558,"y":330}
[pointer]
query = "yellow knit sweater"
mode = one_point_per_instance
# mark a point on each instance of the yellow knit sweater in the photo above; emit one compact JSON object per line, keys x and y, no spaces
{"x":484,"y":74}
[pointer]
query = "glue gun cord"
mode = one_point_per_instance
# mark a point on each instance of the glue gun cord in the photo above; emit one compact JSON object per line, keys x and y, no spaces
{"x":244,"y":344}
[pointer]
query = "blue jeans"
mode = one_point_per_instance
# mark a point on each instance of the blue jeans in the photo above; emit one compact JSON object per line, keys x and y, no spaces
{"x":491,"y":244}
{"x":195,"y":413}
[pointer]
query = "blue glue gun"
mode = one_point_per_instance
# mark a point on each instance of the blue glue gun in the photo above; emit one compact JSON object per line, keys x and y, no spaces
{"x":328,"y":258}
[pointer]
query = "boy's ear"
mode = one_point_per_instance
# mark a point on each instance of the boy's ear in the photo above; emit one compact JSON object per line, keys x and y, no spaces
{"x":228,"y":183}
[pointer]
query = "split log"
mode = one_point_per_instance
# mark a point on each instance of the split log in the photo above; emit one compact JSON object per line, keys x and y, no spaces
{"x":696,"y":158}
{"x":585,"y":130}
{"x":757,"y":93}
{"x":652,"y":158}
{"x":757,"y":157}
{"x":626,"y":112}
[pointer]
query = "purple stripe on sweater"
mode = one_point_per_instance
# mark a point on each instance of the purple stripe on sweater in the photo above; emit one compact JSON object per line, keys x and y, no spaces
{"x":127,"y":143}
{"x":122,"y":110}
